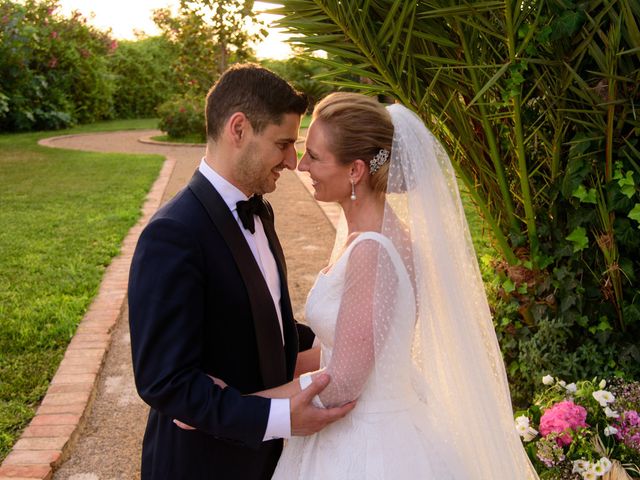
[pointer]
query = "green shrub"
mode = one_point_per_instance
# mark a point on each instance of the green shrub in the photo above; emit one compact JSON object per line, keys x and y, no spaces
{"x":53,"y":69}
{"x":300,"y":72}
{"x":144,"y":76}
{"x":181,"y":116}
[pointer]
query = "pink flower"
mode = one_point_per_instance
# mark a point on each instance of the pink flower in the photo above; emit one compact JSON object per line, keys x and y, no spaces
{"x":628,"y":429}
{"x":54,"y":35}
{"x":53,"y":62}
{"x":562,"y":418}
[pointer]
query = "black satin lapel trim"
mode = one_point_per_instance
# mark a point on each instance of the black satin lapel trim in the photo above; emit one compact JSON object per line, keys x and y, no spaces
{"x":288,"y":322}
{"x":274,"y":243}
{"x":273,"y":365}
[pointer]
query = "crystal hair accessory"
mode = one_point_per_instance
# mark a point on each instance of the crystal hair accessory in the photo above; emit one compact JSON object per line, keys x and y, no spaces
{"x":380,"y":159}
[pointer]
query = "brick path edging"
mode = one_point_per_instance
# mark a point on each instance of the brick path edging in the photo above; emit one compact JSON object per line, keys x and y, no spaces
{"x":54,"y":429}
{"x":149,"y":140}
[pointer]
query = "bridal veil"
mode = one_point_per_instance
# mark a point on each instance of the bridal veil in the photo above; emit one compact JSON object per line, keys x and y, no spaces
{"x":456,"y":358}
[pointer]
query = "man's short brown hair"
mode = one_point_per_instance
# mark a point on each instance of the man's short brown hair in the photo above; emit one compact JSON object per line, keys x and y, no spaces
{"x":255,"y":91}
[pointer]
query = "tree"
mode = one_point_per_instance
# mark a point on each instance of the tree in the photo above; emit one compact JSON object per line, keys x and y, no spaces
{"x":536,"y":102}
{"x":209,"y":35}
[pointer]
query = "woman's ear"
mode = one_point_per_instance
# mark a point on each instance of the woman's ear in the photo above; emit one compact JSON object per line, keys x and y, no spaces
{"x":237,"y":127}
{"x":358,"y":169}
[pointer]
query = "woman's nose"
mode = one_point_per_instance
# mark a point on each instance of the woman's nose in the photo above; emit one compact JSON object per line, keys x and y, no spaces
{"x":303,"y":166}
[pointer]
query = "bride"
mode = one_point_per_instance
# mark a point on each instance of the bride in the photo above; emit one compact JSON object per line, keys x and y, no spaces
{"x":401,"y":313}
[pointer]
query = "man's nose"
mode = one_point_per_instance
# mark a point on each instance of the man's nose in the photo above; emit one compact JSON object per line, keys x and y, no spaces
{"x":291,"y":158}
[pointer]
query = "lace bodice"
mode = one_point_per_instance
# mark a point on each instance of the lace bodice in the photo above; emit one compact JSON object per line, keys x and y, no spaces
{"x":366,"y":340}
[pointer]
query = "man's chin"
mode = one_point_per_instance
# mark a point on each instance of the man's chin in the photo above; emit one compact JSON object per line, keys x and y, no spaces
{"x":266,"y":188}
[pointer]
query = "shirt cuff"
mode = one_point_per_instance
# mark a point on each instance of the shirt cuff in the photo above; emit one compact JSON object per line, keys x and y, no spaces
{"x":305,"y":380}
{"x":279,"y":423}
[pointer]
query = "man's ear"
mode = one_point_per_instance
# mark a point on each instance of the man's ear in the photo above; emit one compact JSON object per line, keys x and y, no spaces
{"x":358,"y":169}
{"x":237,"y":128}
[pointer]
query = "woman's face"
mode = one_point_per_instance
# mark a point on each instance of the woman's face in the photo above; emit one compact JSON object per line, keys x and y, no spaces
{"x":330,"y":178}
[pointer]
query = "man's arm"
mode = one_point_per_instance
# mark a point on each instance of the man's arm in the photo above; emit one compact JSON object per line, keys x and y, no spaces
{"x":166,"y":302}
{"x":306,"y":337}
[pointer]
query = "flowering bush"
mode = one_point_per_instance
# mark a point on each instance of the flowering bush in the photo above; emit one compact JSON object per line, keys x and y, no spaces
{"x":583,"y":430}
{"x":182,"y":116}
{"x":53,"y":68}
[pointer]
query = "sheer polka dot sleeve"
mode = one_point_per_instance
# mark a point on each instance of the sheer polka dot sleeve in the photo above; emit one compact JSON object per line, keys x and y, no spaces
{"x":366,"y":309}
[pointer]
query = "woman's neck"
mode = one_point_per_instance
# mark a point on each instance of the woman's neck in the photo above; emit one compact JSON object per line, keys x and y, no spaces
{"x":364,"y":214}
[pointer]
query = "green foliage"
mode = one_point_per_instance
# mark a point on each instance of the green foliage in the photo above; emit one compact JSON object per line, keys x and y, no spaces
{"x":53,"y":70}
{"x":301,"y":73}
{"x":208,"y":36}
{"x":143,"y":75}
{"x":60,"y":225}
{"x":536,"y":103}
{"x":183,"y":115}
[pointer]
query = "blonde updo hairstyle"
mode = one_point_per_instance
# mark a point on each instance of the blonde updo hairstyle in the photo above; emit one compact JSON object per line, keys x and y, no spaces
{"x":358,"y":127}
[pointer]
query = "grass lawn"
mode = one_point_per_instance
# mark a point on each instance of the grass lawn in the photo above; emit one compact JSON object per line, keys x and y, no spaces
{"x":63,"y":215}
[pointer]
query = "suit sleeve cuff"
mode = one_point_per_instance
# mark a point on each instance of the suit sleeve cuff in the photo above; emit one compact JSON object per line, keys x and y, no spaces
{"x":279,"y":423}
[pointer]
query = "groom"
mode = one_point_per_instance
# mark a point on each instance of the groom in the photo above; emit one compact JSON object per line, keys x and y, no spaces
{"x":208,"y":297}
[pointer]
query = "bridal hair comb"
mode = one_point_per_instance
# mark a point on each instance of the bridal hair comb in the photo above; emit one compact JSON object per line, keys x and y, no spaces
{"x":380,"y":159}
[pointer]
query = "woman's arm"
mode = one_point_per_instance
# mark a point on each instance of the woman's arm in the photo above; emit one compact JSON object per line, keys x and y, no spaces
{"x":366,"y":311}
{"x":308,"y":361}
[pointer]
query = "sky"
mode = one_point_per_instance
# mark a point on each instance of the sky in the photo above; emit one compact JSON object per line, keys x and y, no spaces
{"x":125,"y":16}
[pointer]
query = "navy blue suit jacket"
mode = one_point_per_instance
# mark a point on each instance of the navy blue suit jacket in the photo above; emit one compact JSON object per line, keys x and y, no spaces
{"x":198,"y":306}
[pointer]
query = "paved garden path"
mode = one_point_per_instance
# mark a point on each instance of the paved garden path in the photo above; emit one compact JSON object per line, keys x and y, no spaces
{"x":107,"y":443}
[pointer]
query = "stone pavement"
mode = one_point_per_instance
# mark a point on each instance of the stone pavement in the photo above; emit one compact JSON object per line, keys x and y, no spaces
{"x":90,"y":424}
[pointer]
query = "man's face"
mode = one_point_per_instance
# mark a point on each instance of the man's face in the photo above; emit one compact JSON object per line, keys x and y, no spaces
{"x":266,"y":154}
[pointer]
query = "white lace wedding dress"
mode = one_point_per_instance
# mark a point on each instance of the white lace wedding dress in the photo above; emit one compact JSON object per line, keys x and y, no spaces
{"x":366,"y":348}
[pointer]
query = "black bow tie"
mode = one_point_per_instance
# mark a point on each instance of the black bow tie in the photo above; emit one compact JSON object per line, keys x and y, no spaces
{"x":248,"y":208}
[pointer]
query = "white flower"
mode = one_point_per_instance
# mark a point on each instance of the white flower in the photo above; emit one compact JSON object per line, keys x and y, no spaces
{"x":530,"y":434}
{"x":609,"y":430}
{"x":589,"y":475}
{"x":580,"y":466}
{"x":611,"y":413}
{"x":603,"y":383}
{"x":603,"y":397}
{"x":562,"y":383}
{"x":603,"y":465}
{"x":547,"y":380}
{"x":524,"y":430}
{"x":571,"y":388}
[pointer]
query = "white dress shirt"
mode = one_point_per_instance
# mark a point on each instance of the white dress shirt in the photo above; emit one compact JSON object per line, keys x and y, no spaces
{"x":279,"y":423}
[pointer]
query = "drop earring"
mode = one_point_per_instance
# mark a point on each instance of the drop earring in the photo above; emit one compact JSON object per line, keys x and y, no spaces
{"x":353,"y":190}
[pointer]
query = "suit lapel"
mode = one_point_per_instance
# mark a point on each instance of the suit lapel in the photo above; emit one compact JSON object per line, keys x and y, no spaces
{"x":273,"y":365}
{"x":288,"y":323}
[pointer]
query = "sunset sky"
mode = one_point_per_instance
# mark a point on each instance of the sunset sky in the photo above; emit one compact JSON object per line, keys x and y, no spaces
{"x":125,"y":16}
